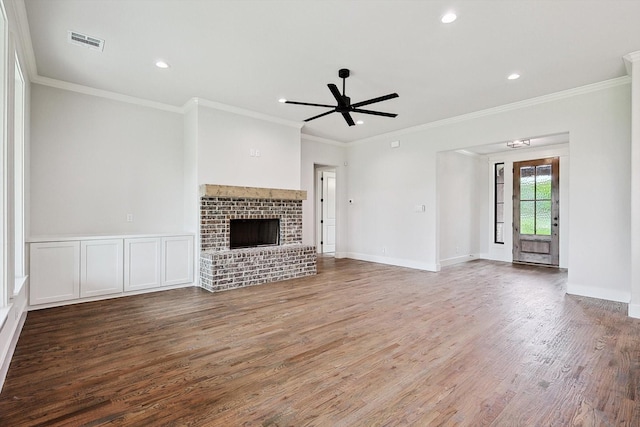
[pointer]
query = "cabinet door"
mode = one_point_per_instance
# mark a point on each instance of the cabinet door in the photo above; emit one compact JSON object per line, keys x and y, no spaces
{"x":100,"y":267}
{"x":177,"y":260}
{"x":54,"y":272}
{"x":142,"y":263}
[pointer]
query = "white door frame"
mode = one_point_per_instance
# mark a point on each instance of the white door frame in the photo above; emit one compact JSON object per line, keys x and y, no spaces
{"x":318,"y":203}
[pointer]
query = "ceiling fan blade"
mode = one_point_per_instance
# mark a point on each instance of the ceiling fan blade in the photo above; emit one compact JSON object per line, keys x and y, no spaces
{"x":374,"y":100}
{"x":375,"y":113}
{"x":319,"y":115}
{"x":348,"y":118}
{"x":336,"y":94}
{"x":309,"y":103}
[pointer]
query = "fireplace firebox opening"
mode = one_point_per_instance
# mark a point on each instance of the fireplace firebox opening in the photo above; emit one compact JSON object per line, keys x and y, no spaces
{"x":249,"y":233}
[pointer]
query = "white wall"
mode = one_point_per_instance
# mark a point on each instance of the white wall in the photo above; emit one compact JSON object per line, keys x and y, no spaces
{"x":386,"y":183}
{"x":462,"y":205}
{"x":225,"y":141}
{"x":317,"y":153}
{"x":95,"y":160}
{"x":190,"y":172}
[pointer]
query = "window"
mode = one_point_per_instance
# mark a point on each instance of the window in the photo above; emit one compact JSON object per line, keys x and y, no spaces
{"x":18,"y":172}
{"x":498,"y":230}
{"x":535,"y":200}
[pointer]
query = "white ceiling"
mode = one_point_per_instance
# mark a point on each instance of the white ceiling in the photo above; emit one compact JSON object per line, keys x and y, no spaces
{"x":248,"y":54}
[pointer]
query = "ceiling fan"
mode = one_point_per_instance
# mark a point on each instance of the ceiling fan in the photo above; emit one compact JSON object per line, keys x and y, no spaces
{"x":345,"y":107}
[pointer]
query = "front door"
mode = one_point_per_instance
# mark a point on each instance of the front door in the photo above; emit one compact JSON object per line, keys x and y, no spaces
{"x":536,"y":211}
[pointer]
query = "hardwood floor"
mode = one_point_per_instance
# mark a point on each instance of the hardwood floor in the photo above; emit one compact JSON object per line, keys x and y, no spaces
{"x":360,"y":344}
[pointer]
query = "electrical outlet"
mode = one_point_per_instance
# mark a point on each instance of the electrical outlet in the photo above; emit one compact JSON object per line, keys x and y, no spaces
{"x":384,"y":250}
{"x":129,"y":217}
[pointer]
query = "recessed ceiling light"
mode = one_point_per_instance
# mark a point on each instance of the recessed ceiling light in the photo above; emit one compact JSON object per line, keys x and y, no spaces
{"x":282,"y":100}
{"x":162,"y":64}
{"x":360,"y":122}
{"x":514,"y":76}
{"x":448,"y":18}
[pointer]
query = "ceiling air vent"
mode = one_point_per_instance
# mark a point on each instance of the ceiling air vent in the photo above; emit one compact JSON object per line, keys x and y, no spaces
{"x":84,"y":40}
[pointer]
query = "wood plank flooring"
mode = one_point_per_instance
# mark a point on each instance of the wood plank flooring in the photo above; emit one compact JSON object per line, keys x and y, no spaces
{"x":360,"y":344}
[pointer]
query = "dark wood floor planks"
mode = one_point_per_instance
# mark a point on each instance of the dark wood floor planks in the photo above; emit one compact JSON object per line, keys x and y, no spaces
{"x":360,"y":344}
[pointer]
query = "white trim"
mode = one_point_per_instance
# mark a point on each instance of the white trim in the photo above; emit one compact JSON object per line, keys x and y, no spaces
{"x":600,"y":293}
{"x":72,"y":237}
{"x":24,"y":37}
{"x":634,"y":311}
{"x":631,"y":58}
{"x":11,"y":347}
{"x":398,"y":262}
{"x":190,"y":104}
{"x":20,"y":281}
{"x":322,"y":140}
{"x":59,"y":84}
{"x":619,"y":81}
{"x":111,"y":296}
{"x":237,"y":110}
{"x":457,"y":260}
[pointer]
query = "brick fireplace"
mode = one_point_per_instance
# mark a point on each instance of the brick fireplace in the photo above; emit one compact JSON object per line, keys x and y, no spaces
{"x":223,"y":268}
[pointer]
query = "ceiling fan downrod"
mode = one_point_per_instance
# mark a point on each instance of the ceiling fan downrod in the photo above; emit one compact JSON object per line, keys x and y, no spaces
{"x":343,"y":73}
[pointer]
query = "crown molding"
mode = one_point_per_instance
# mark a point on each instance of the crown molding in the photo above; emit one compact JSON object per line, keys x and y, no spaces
{"x":24,"y":39}
{"x":630,"y":59}
{"x":237,"y":110}
{"x":188,"y":106}
{"x":569,"y":93}
{"x":59,"y":84}
{"x":322,"y":140}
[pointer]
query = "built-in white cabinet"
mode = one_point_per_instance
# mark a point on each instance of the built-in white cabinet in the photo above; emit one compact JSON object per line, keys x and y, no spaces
{"x":177,"y":260}
{"x":101,"y":265}
{"x":69,"y":269}
{"x":143,"y":258}
{"x":54,"y":272}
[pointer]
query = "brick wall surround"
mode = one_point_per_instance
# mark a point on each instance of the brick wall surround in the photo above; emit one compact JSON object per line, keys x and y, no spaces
{"x":222,"y":268}
{"x":216,"y":212}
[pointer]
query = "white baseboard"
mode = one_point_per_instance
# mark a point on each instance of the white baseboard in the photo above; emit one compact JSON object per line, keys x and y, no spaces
{"x":600,"y":293}
{"x":110,"y":296}
{"x":634,"y":311}
{"x":399,"y":262}
{"x":8,"y":355}
{"x":457,"y":260}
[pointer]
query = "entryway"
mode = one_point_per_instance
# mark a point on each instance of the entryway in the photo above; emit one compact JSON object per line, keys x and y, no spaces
{"x":536,"y":210}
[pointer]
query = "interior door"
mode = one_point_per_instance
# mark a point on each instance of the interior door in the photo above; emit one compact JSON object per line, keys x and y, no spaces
{"x":536,"y":211}
{"x":328,"y":201}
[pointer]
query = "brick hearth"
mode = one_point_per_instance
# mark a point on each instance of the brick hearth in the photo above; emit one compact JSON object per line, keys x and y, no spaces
{"x":222,"y":268}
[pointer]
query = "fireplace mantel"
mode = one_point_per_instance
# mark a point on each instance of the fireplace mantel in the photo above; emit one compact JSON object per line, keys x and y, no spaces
{"x":230,"y":191}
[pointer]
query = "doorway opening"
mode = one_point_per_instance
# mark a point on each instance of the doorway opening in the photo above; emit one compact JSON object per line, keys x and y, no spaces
{"x":326,"y":217}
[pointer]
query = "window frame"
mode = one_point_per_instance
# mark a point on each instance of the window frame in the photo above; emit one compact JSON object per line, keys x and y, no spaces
{"x":498,"y":204}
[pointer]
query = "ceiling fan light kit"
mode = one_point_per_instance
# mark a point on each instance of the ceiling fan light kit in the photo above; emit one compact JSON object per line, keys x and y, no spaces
{"x":344,"y":105}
